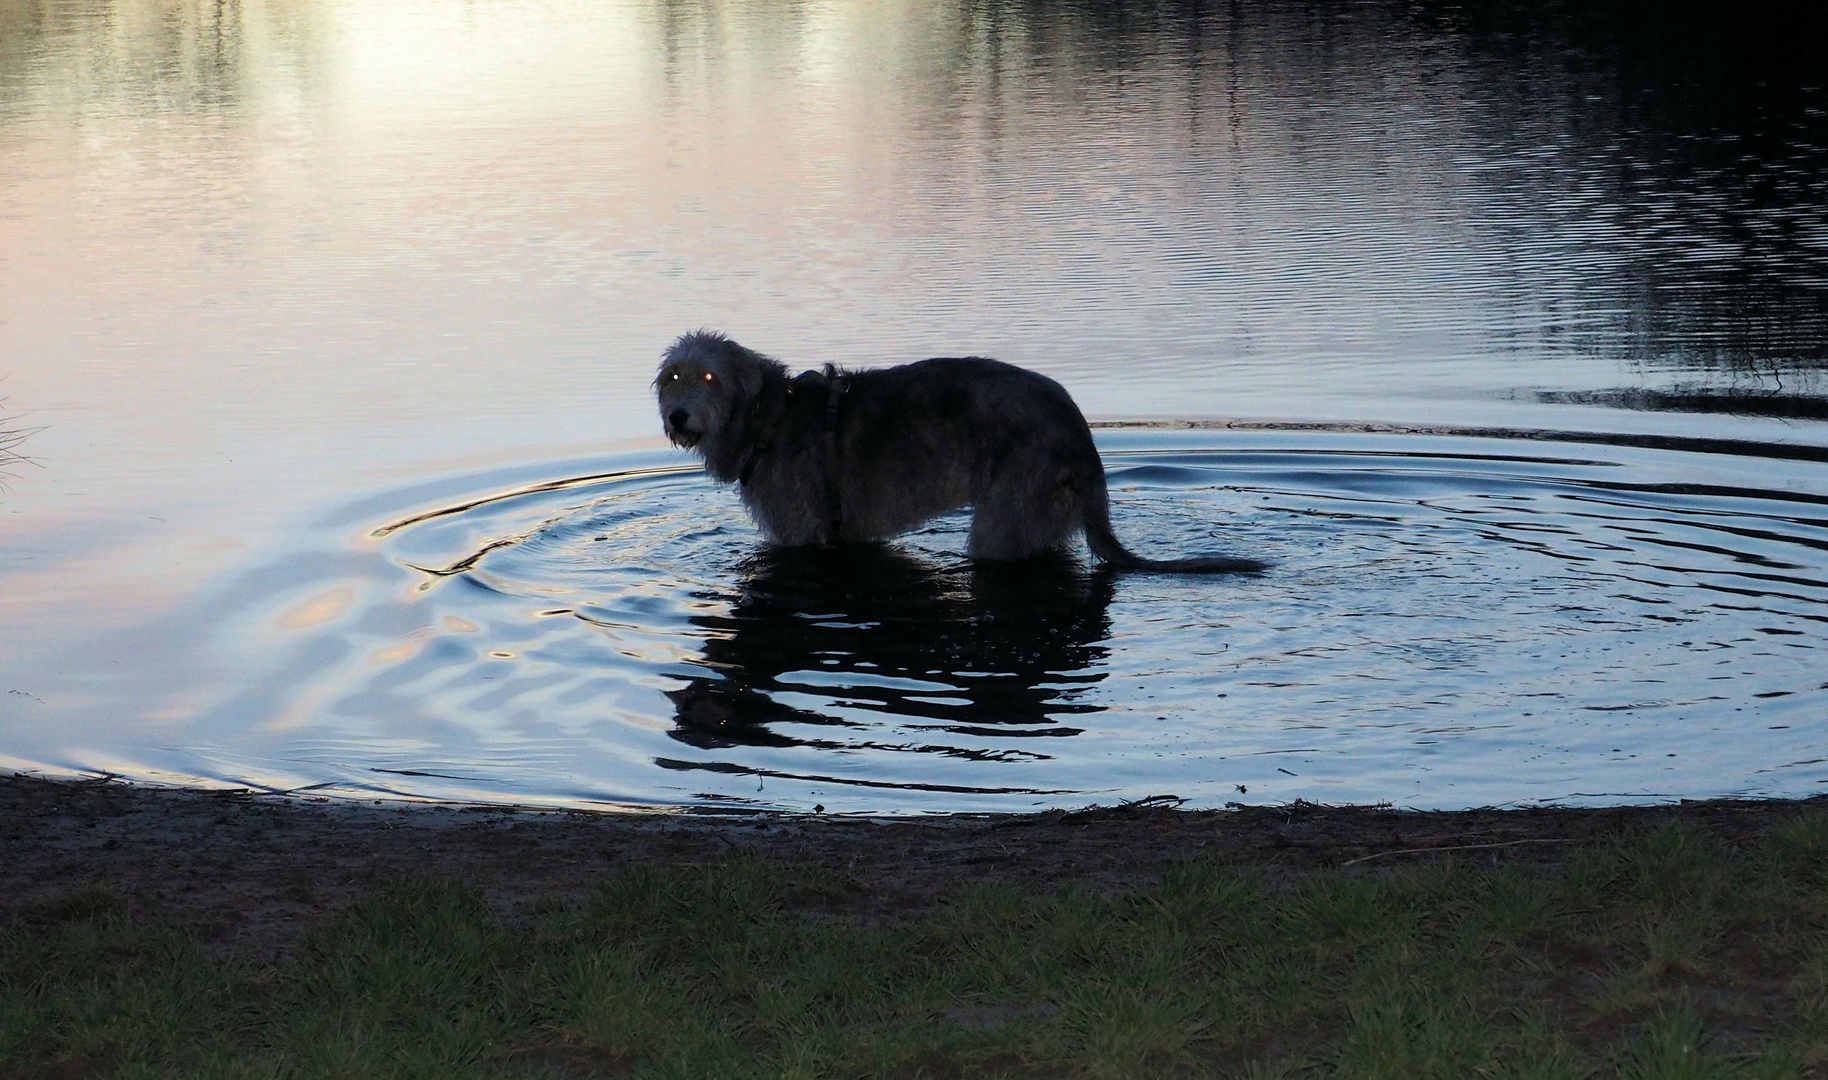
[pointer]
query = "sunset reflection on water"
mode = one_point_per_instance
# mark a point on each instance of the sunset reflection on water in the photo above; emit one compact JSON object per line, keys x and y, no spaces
{"x":264,"y":263}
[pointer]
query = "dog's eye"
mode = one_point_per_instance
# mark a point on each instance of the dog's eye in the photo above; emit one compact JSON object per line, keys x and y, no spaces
{"x":709,"y":378}
{"x":675,"y":376}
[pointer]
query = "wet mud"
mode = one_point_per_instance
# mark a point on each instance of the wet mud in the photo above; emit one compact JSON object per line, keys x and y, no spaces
{"x":250,"y":873}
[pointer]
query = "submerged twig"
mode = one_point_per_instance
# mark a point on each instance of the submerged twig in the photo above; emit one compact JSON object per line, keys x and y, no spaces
{"x":1453,"y":847}
{"x":11,"y":437}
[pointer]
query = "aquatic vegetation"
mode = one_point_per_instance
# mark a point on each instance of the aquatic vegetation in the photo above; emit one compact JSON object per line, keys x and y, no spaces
{"x":12,"y":433}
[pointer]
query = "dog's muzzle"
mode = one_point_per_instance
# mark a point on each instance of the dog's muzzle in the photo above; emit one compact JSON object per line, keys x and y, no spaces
{"x":678,"y":431}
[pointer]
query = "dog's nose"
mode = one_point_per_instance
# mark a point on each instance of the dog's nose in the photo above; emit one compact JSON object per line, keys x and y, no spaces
{"x":677,"y":418}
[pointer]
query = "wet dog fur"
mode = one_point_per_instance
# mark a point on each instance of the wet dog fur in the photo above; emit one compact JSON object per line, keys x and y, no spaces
{"x":907,"y":443}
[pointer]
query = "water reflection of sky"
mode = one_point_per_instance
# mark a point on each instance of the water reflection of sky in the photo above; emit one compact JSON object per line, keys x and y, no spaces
{"x":259,"y":257}
{"x":1446,"y":622}
{"x":338,"y":233}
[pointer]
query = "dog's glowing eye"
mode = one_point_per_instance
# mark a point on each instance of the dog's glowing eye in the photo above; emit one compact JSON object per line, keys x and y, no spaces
{"x":708,"y":377}
{"x":675,"y":376}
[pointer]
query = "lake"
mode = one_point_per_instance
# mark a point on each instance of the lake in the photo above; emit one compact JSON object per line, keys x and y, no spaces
{"x":1499,"y":329}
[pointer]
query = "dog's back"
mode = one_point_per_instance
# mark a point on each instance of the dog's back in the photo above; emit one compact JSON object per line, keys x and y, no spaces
{"x":866,"y":455}
{"x":924,"y":438}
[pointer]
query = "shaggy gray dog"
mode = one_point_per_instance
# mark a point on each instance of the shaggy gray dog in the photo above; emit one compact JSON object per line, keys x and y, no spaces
{"x":864,"y":455}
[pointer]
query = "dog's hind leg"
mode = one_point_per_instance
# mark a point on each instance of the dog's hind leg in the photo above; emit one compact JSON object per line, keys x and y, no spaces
{"x":1022,"y":514}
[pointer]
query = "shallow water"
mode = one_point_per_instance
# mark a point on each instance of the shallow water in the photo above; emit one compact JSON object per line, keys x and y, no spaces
{"x":276,"y":276}
{"x":1448,"y":620}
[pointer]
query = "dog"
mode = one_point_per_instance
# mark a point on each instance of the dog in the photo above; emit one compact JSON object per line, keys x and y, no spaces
{"x":834,"y":457}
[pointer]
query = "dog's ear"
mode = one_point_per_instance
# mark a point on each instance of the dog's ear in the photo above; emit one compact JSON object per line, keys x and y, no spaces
{"x":746,"y":369}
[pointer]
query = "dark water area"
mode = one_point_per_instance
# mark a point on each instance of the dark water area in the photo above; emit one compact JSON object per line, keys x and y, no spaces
{"x":1730,"y":402}
{"x":1500,"y":329}
{"x":1710,"y":119}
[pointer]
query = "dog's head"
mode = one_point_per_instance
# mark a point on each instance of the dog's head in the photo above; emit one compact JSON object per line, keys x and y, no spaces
{"x":705,"y":381}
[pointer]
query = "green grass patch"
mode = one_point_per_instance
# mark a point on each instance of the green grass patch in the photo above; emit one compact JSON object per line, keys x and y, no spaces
{"x":1658,"y":957}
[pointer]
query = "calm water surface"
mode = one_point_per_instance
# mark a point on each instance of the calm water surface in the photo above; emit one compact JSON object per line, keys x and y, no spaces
{"x":1501,"y":331}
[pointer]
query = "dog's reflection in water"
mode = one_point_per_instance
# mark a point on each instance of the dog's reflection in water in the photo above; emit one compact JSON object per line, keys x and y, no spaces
{"x":987,"y":649}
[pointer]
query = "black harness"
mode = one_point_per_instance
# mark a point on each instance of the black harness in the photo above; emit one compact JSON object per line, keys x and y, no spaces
{"x":757,"y":449}
{"x":835,"y":384}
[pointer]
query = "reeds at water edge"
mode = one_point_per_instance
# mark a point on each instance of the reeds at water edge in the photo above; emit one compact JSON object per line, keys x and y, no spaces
{"x":12,"y":433}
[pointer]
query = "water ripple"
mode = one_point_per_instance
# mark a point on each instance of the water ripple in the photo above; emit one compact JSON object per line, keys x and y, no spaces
{"x":1450,"y":621}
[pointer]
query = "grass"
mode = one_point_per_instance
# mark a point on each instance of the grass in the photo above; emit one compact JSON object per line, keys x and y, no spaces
{"x":1658,"y":957}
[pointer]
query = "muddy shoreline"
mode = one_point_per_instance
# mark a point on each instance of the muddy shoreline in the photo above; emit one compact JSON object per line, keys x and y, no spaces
{"x":249,"y":873}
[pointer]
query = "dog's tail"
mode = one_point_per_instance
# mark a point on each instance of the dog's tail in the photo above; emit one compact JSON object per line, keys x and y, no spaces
{"x":1105,"y":545}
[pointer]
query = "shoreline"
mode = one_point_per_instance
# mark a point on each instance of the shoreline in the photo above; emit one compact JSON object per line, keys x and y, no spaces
{"x":251,"y":873}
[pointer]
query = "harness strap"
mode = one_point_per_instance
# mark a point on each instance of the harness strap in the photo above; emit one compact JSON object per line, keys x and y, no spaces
{"x":756,"y":450}
{"x":835,"y":386}
{"x":758,"y":447}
